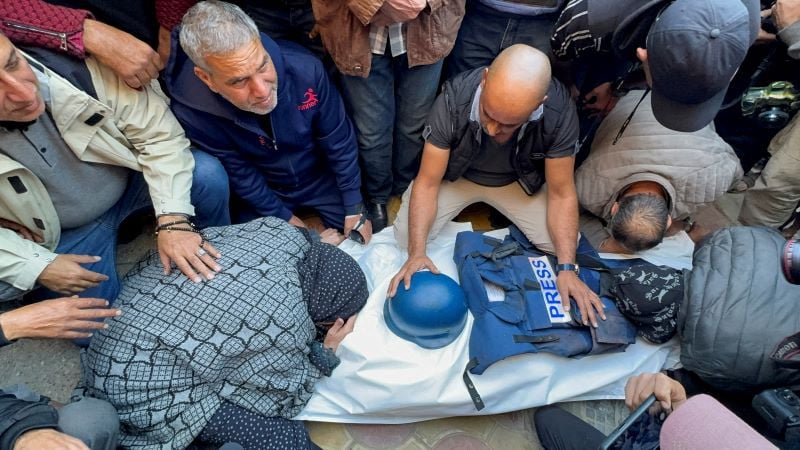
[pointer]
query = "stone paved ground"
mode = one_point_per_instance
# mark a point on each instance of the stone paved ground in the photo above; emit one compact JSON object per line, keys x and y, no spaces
{"x":52,"y":368}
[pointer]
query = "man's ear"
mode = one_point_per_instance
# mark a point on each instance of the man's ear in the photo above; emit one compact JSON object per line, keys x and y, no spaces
{"x":641,"y":54}
{"x":614,"y":209}
{"x":669,"y":222}
{"x":205,"y":77}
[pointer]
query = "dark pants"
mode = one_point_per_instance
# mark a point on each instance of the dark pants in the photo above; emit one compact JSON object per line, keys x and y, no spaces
{"x":559,"y":430}
{"x":239,"y":428}
{"x":485,"y":32}
{"x":291,"y":23}
{"x":320,"y":194}
{"x":389,"y":109}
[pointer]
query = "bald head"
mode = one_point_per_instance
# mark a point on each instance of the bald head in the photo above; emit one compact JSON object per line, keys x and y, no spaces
{"x":513,"y":87}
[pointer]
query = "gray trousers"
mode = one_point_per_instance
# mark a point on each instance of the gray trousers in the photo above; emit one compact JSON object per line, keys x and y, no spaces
{"x":776,"y":192}
{"x":91,"y":420}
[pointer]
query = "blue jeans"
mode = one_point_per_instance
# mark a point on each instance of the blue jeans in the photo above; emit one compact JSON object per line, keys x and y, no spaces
{"x":320,"y":194}
{"x":485,"y":32}
{"x":209,"y":196}
{"x":389,"y":109}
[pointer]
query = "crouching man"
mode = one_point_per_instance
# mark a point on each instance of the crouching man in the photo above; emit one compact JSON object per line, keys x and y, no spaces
{"x":497,"y":135}
{"x":645,"y":181}
{"x":78,"y":154}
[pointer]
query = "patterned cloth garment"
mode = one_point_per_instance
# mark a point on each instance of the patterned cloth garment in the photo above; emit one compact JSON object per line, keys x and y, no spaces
{"x":180,"y":348}
{"x":650,"y":297}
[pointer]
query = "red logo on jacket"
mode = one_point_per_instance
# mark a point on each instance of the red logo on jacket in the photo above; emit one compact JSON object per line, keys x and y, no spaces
{"x":311,"y":100}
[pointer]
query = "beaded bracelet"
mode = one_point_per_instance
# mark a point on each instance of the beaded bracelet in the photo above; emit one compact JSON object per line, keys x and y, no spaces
{"x":177,"y":222}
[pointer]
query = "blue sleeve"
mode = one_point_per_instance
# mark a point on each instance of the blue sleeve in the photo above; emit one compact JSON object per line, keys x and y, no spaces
{"x":335,"y":135}
{"x":246,"y":181}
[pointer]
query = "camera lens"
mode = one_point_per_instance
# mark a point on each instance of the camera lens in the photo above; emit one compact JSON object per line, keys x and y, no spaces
{"x":790,"y":261}
{"x":773,"y":118}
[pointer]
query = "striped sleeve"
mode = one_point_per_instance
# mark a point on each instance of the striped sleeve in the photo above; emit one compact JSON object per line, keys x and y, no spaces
{"x":571,"y":37}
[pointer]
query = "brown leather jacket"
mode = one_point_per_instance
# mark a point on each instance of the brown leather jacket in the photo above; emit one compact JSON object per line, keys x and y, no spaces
{"x":344,"y":27}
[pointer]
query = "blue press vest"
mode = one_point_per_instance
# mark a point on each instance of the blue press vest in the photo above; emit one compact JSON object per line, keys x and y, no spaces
{"x":519,"y":323}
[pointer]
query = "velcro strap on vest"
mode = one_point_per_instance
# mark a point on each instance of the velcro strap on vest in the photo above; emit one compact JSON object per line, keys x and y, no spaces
{"x":531,"y":285}
{"x":473,"y":393}
{"x":505,"y":250}
{"x":787,"y":353}
{"x":523,"y":339}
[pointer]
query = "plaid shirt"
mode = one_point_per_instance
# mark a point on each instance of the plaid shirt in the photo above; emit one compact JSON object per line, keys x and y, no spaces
{"x":394,"y":33}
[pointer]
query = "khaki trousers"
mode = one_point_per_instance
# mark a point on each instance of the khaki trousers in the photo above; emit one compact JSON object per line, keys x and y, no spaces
{"x":776,"y":192}
{"x":528,"y":213}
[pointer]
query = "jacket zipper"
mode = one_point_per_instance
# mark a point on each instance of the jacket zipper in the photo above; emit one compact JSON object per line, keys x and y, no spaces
{"x":272,"y":129}
{"x":29,"y":28}
{"x":275,"y":145}
{"x":521,"y":183}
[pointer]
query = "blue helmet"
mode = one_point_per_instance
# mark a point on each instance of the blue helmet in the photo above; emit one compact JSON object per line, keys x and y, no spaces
{"x":431,"y":313}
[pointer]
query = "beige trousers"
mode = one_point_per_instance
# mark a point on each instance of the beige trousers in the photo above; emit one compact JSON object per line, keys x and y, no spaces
{"x":528,"y":213}
{"x":776,"y":192}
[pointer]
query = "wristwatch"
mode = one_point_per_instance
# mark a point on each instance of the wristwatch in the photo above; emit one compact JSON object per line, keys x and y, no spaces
{"x":571,"y":267}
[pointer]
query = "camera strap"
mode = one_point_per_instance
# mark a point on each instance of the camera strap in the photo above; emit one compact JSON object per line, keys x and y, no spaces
{"x":787,"y":352}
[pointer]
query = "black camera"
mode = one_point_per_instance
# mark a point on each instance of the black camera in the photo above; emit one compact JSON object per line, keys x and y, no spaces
{"x":790,"y":261}
{"x":780,"y":409}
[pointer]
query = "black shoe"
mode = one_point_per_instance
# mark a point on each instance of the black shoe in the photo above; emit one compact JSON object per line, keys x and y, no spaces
{"x":377,"y":215}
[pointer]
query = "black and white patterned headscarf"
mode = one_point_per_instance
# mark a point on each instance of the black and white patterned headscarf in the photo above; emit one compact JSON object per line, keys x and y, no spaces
{"x":333,"y":284}
{"x":650,"y":296}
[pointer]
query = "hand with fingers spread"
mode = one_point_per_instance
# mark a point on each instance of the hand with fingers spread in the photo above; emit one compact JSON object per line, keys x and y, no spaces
{"x":133,"y":60}
{"x":569,"y":285}
{"x":61,"y":318}
{"x":413,"y":265}
{"x":187,"y":250}
{"x":47,"y":438}
{"x":338,"y":331}
{"x":65,"y":274}
{"x":669,"y":393}
{"x":21,"y":230}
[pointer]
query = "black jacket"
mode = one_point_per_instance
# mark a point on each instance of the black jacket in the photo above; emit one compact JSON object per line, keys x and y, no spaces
{"x":535,"y":139}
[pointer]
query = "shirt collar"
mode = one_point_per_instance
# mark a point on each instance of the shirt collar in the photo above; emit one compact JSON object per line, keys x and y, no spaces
{"x":44,"y":85}
{"x":475,"y":116}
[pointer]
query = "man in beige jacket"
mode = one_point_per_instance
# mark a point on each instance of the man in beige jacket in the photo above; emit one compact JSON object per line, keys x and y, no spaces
{"x":79,"y":154}
{"x":645,"y":181}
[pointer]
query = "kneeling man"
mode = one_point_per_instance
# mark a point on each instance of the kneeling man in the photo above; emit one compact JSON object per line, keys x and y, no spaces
{"x":270,"y":114}
{"x":78,"y":154}
{"x":644,"y":180}
{"x":496,"y":135}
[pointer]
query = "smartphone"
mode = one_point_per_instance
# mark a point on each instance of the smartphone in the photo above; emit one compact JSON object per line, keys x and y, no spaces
{"x":610,"y":443}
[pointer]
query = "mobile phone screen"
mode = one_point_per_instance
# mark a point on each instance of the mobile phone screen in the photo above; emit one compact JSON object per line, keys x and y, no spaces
{"x":632,"y":426}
